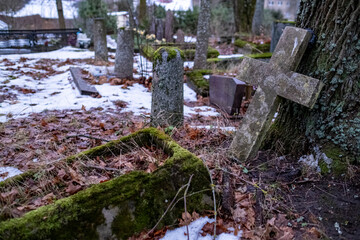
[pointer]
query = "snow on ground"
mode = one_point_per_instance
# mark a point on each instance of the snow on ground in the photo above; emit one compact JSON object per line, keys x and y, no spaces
{"x":175,"y":5}
{"x":47,"y":9}
{"x":8,"y":172}
{"x":57,"y":92}
{"x":111,"y":43}
{"x":231,"y":56}
{"x":195,"y":232}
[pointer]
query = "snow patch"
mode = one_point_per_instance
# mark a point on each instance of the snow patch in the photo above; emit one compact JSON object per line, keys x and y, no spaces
{"x":195,"y":232}
{"x":8,"y":172}
{"x":313,"y":160}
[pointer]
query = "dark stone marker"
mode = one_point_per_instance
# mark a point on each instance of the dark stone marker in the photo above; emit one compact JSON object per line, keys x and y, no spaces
{"x":169,"y":26}
{"x":274,"y":79}
{"x":159,"y":29}
{"x":227,"y":93}
{"x":100,"y":45}
{"x":81,"y":84}
{"x":167,"y":105}
{"x":276,"y":31}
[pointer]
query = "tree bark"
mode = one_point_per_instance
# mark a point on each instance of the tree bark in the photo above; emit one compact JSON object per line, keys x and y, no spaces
{"x":334,"y":123}
{"x":258,"y":17}
{"x":202,"y":36}
{"x":60,"y":14}
{"x":243,"y":14}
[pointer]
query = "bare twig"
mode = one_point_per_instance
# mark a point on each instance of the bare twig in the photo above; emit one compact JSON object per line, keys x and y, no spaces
{"x":169,"y":207}
{"x":87,"y":136}
{"x":214,"y":197}
{"x":186,"y":190}
{"x":102,"y":168}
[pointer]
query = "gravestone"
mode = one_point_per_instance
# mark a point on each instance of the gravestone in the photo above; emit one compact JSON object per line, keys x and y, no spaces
{"x":169,"y":26}
{"x":167,"y":106}
{"x":124,"y":52}
{"x":202,"y":35}
{"x":100,"y":46}
{"x":159,"y":29}
{"x":180,"y":36}
{"x":274,"y":79}
{"x":276,"y":31}
{"x":227,"y":93}
{"x":81,"y":84}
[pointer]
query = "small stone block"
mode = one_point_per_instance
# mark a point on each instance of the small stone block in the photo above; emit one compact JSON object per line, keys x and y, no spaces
{"x":81,"y":84}
{"x":227,"y":93}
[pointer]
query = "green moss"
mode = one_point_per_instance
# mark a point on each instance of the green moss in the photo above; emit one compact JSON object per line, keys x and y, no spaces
{"x":140,"y":198}
{"x":172,"y":53}
{"x":260,"y":55}
{"x":212,"y":53}
{"x":263,"y":47}
{"x":197,"y":81}
{"x":148,"y":51}
{"x":338,"y":165}
{"x":240,"y":43}
{"x":190,"y":53}
{"x":285,"y":21}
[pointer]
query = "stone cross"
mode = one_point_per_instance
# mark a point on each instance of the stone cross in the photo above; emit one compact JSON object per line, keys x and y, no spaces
{"x":274,"y":79}
{"x":167,"y":106}
{"x":124,"y":59}
{"x":100,"y":45}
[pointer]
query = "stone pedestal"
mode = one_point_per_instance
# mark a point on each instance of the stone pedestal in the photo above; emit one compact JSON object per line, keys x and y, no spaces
{"x":167,"y":107}
{"x":100,"y":45}
{"x":124,"y":54}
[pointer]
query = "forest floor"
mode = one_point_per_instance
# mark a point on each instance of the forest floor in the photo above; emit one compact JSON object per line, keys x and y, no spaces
{"x":271,"y":197}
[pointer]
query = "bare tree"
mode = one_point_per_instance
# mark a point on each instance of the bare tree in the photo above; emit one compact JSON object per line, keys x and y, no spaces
{"x":60,"y":14}
{"x":202,"y":35}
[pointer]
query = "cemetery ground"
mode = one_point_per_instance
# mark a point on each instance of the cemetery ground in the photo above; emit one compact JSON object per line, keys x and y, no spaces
{"x":272,"y":197}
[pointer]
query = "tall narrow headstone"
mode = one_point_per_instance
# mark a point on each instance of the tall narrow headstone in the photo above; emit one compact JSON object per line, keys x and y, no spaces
{"x":125,"y":50}
{"x":159,"y":29}
{"x":274,"y":79}
{"x":167,"y":106}
{"x":169,"y":26}
{"x":202,"y":36}
{"x":100,"y":45}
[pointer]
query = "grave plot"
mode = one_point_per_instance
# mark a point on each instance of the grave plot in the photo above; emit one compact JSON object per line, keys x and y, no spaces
{"x":136,"y":200}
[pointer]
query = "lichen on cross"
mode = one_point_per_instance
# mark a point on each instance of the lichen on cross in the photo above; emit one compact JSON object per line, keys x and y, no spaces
{"x":275,"y":79}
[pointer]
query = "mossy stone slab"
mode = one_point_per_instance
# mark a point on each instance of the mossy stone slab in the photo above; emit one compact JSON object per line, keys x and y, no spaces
{"x":121,"y":207}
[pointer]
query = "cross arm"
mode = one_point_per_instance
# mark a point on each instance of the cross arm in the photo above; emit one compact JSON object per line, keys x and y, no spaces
{"x":290,"y":85}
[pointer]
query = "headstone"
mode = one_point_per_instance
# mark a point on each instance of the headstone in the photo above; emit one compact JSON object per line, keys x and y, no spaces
{"x":227,"y":93}
{"x":81,"y":84}
{"x":273,"y":79}
{"x":167,"y":106}
{"x":124,"y":53}
{"x":180,"y":36}
{"x":100,"y":46}
{"x":202,"y":35}
{"x":169,"y":26}
{"x":276,"y":31}
{"x":159,"y":29}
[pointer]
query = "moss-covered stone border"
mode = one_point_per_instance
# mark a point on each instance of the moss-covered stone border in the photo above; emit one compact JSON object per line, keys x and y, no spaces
{"x":135,"y":201}
{"x":223,"y":63}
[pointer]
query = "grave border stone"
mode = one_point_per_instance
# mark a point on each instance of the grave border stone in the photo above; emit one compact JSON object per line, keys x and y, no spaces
{"x":141,"y":198}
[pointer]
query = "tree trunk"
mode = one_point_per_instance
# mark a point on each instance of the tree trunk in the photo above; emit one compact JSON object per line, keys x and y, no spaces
{"x":202,"y":36}
{"x":334,"y":123}
{"x":60,"y":14}
{"x":258,"y":18}
{"x":243,"y":14}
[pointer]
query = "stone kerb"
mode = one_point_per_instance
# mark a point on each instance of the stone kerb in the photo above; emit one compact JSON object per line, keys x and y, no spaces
{"x":121,"y":207}
{"x":167,"y":106}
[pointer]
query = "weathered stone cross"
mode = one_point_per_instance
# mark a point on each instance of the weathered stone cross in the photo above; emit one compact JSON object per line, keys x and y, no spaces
{"x":273,"y":80}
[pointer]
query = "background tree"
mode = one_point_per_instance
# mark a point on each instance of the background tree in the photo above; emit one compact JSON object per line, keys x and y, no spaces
{"x":203,"y":34}
{"x":258,"y":18}
{"x":243,"y":14}
{"x":60,"y":14}
{"x":334,"y":123}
